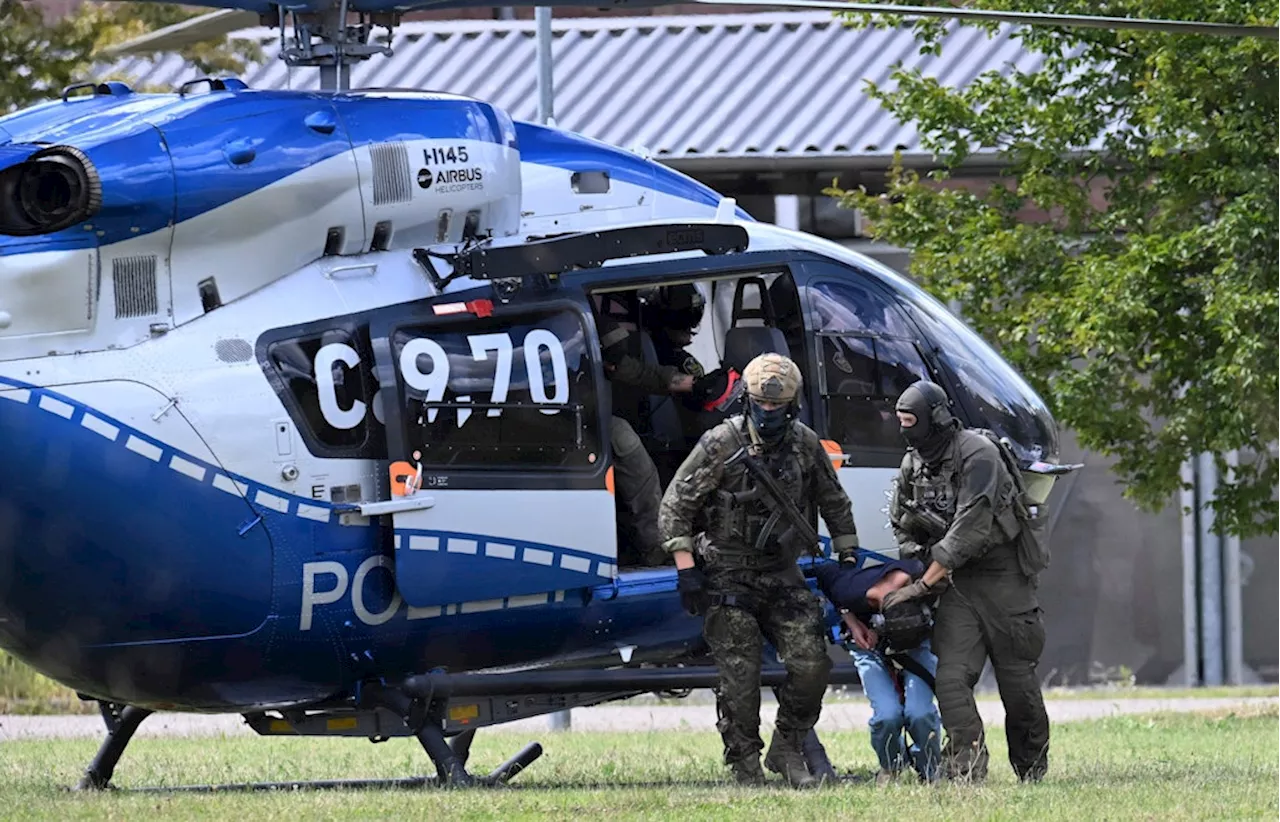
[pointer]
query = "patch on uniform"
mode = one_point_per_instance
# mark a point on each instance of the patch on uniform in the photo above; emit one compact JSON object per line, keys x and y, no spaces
{"x":942,"y":499}
{"x":692,"y":367}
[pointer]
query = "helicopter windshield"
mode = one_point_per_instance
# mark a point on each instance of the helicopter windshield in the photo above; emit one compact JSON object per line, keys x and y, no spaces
{"x":1003,"y":399}
{"x":1006,"y":403}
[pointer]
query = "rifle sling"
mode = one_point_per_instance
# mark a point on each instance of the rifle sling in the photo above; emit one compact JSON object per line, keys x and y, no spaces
{"x":909,"y":665}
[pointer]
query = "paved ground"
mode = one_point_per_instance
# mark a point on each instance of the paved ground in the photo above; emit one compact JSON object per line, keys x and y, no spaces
{"x":836,"y":715}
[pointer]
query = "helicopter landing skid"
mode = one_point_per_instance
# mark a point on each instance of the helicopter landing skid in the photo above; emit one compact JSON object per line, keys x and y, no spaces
{"x":121,"y":726}
{"x":449,"y":756}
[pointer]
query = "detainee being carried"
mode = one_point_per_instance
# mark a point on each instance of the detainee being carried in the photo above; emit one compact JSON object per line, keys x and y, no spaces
{"x":894,"y":662}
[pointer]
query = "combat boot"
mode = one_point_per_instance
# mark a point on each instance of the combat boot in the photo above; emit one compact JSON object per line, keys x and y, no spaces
{"x":747,"y":771}
{"x":785,"y":758}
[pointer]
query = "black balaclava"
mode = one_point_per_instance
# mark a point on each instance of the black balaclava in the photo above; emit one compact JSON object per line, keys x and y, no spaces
{"x":935,"y":426}
{"x":772,"y":426}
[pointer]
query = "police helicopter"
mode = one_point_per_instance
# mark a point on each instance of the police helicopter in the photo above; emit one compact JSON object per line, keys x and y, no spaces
{"x":303,"y":405}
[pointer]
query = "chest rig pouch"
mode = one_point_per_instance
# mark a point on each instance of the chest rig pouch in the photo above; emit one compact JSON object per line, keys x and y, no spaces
{"x":746,"y":527}
{"x":933,"y":496}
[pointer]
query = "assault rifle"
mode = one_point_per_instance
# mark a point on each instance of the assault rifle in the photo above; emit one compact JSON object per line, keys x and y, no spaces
{"x":928,"y":527}
{"x":785,"y":508}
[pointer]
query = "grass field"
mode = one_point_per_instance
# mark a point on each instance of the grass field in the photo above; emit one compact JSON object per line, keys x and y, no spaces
{"x":1158,"y":767}
{"x":23,"y":691}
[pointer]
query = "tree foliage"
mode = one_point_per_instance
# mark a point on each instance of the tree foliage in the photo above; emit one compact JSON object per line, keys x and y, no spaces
{"x":38,"y":57}
{"x":1144,"y":308}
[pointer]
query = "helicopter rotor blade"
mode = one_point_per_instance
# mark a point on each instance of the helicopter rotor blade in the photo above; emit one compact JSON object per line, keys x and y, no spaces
{"x":228,"y":20}
{"x":187,"y":33}
{"x":1017,"y":17}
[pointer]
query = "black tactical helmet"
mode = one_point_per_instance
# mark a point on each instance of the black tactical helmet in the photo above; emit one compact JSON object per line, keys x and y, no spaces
{"x":677,"y":306}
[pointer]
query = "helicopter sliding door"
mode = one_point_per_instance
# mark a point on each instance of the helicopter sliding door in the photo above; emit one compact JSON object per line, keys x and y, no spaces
{"x":496,"y":447}
{"x":866,"y":352}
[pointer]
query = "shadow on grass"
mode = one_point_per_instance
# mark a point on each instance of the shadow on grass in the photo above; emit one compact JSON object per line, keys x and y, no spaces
{"x":431,"y":783}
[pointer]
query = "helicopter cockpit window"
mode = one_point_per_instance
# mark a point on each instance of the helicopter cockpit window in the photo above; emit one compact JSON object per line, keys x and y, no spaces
{"x":867,"y":356}
{"x":489,"y":393}
{"x":328,"y":387}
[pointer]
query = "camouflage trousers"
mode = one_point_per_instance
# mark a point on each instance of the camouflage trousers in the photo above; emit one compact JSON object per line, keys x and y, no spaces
{"x":995,"y":617}
{"x":781,"y":609}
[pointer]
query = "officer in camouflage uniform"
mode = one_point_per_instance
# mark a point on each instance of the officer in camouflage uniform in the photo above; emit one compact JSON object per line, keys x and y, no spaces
{"x":745,"y":578}
{"x":953,"y":506}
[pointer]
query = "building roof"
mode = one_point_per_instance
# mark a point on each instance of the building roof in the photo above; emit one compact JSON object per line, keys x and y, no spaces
{"x":767,"y":90}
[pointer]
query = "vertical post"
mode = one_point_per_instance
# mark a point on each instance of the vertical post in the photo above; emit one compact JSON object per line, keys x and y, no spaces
{"x":329,"y":78}
{"x":786,"y":211}
{"x":546,"y":95}
{"x":1210,"y":575}
{"x":1231,"y":594}
{"x":1190,"y":572}
{"x":561,"y":721}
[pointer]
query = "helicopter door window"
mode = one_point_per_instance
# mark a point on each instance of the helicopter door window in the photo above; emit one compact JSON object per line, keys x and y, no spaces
{"x":867,"y":356}
{"x":490,"y":392}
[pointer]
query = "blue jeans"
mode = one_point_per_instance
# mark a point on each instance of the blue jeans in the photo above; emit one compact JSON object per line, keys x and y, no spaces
{"x":890,"y":716}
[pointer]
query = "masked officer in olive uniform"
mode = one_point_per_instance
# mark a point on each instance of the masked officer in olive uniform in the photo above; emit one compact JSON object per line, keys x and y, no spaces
{"x":745,"y":578}
{"x":953,"y":506}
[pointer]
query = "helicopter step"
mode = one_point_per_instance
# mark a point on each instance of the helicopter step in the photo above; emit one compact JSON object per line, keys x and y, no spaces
{"x":462,"y":715}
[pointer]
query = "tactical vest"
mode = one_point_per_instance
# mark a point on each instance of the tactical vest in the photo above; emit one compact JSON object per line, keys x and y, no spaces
{"x":935,"y":492}
{"x":741,"y":510}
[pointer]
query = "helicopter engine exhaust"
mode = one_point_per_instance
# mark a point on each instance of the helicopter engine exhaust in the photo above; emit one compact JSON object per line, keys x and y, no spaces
{"x":52,"y":189}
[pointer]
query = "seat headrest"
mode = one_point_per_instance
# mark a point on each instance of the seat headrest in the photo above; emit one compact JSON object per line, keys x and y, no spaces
{"x":745,"y":343}
{"x":765,"y":313}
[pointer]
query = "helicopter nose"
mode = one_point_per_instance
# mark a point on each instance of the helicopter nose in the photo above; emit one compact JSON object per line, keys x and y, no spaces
{"x":111,"y":537}
{"x":45,"y":616}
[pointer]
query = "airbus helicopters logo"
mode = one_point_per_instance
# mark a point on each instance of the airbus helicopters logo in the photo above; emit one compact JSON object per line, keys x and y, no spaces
{"x":449,"y":179}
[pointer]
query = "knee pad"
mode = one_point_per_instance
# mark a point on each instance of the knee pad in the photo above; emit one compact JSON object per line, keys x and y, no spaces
{"x":956,"y":676}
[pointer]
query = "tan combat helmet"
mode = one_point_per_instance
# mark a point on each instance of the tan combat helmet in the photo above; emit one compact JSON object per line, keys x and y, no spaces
{"x":772,"y":378}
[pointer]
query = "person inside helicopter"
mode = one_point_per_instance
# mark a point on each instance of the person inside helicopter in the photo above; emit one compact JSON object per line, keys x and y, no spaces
{"x":663,"y":400}
{"x":674,"y":313}
{"x":635,"y":382}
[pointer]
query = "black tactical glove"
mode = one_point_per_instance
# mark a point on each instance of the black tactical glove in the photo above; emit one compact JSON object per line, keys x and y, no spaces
{"x":916,"y":590}
{"x":692,"y":585}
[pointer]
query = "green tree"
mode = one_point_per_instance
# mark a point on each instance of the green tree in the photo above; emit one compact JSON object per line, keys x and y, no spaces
{"x":38,"y":57}
{"x":1144,"y":309}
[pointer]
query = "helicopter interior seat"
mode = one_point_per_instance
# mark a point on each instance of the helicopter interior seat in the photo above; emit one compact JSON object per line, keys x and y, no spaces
{"x":777,"y":334}
{"x":786,"y":299}
{"x":743,"y":343}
